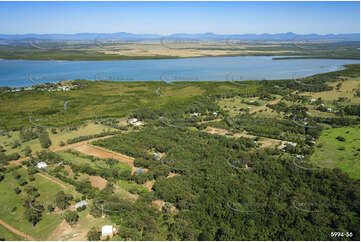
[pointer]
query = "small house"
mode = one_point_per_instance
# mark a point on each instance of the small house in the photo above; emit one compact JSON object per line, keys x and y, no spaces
{"x":108,"y":230}
{"x":157,"y":156}
{"x":42,"y":165}
{"x":80,"y":204}
{"x":132,"y":120}
{"x":138,"y":123}
{"x":195,"y":114}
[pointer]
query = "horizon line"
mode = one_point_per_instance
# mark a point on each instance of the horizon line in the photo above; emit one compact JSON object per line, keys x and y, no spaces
{"x":178,"y":33}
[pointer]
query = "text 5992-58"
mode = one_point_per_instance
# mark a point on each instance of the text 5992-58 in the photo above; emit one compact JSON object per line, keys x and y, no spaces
{"x":341,"y":234}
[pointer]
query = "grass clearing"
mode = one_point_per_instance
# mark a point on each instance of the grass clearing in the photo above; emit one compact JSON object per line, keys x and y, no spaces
{"x":8,"y":235}
{"x":63,"y":134}
{"x":253,"y":105}
{"x":347,"y":89}
{"x":344,"y":155}
{"x":12,"y":210}
{"x":77,"y":160}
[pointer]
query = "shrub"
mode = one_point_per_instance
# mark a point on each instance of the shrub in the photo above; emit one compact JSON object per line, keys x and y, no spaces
{"x":17,"y":190}
{"x":82,"y":208}
{"x":340,"y":138}
{"x":71,"y":217}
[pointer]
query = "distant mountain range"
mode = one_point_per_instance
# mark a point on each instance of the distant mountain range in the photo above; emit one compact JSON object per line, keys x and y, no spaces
{"x":205,"y":36}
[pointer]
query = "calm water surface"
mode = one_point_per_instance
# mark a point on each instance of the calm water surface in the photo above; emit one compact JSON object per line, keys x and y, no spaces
{"x":17,"y":73}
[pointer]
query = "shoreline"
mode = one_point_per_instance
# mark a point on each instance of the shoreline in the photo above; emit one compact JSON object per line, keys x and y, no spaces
{"x":127,"y":58}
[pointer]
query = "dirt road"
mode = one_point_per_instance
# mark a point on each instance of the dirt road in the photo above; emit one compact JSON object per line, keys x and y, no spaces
{"x":15,"y":231}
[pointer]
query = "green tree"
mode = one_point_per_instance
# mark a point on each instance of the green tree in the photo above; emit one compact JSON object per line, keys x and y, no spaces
{"x":27,"y":151}
{"x":62,"y":200}
{"x":44,"y":139}
{"x":71,"y":217}
{"x":33,"y":211}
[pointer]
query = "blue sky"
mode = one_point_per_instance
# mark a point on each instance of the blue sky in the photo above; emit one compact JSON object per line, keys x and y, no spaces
{"x":180,"y":17}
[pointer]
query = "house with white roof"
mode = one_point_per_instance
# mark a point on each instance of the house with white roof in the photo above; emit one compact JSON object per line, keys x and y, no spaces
{"x":136,"y":124}
{"x":132,"y":120}
{"x":41,"y":165}
{"x":80,"y":204}
{"x":108,"y":230}
{"x":195,"y":114}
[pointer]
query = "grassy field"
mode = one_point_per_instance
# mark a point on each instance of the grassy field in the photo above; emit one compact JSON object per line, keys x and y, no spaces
{"x":129,"y":186}
{"x":88,"y":128}
{"x":252,"y":104}
{"x":9,"y":236}
{"x":75,"y":159}
{"x":12,"y":210}
{"x":330,"y":152}
{"x":81,"y":159}
{"x":347,"y":89}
